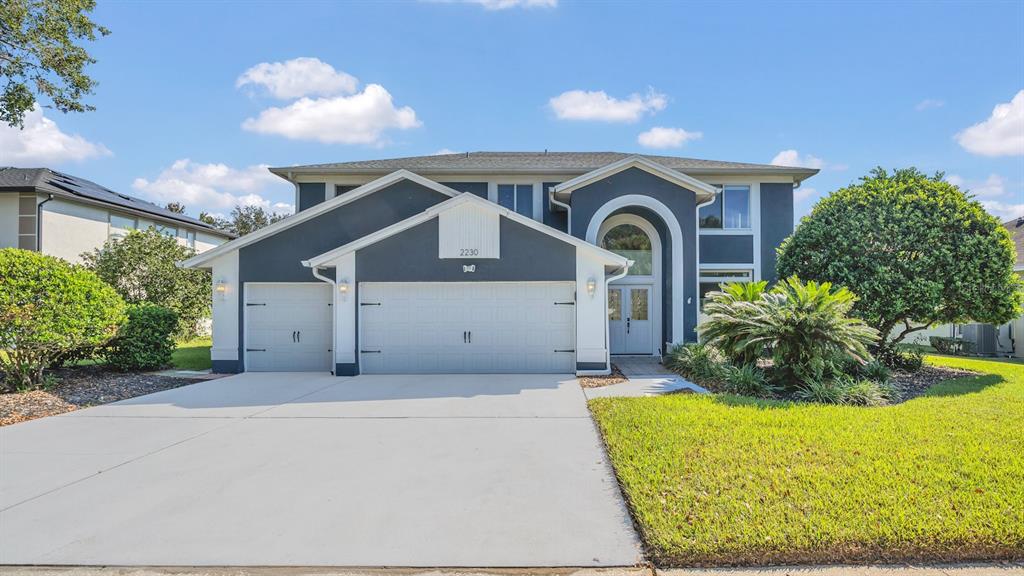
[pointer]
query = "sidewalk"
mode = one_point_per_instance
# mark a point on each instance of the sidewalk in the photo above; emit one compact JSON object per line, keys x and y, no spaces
{"x":1002,"y":569}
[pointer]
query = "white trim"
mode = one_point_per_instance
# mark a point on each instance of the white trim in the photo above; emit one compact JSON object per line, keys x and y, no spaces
{"x":654,"y":279}
{"x":466,"y":197}
{"x":364,"y":190}
{"x":725,"y":231}
{"x":675,"y":238}
{"x":644,"y":164}
{"x":755,"y":221}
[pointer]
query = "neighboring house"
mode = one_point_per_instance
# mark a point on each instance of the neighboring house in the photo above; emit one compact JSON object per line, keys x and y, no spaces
{"x":492,"y":261}
{"x":65,"y":216}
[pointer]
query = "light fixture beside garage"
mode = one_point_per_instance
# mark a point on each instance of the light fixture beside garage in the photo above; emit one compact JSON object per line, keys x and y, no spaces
{"x":343,"y":287}
{"x":221,"y":288}
{"x":591,"y":287}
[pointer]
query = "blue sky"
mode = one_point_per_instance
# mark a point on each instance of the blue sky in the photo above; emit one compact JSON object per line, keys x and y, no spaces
{"x":194,"y":97}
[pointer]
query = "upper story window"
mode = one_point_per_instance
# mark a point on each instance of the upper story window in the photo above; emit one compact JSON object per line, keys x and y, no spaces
{"x":188,"y":237}
{"x":631,"y":242}
{"x":166,"y":230}
{"x":730,"y":210}
{"x":120,"y":226}
{"x":517,"y":197}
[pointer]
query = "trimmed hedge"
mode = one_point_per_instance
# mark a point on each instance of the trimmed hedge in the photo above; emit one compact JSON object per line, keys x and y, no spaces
{"x":146,"y":341}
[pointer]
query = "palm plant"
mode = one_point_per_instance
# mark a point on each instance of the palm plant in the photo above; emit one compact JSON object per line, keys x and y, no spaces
{"x":801,"y":325}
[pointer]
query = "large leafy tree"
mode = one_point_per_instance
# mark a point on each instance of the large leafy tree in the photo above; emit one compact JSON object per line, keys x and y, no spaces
{"x":243,"y":220}
{"x":49,"y":308}
{"x":143,"y":268}
{"x":915,"y":249}
{"x":42,"y":57}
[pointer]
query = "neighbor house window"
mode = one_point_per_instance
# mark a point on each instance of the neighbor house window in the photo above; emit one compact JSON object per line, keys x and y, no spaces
{"x":167,"y":230}
{"x":710,"y":280}
{"x":188,"y":236}
{"x":731,"y":209}
{"x":631,"y":242}
{"x":120,"y":226}
{"x":517,"y":197}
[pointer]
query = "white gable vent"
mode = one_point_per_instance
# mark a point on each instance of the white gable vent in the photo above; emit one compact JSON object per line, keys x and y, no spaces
{"x":469,"y":231}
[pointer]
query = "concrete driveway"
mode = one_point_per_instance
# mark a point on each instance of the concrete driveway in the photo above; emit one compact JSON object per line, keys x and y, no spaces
{"x":314,"y":470}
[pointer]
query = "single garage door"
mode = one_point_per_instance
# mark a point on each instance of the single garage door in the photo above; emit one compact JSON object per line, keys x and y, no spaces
{"x":474,"y":327}
{"x":288,"y":327}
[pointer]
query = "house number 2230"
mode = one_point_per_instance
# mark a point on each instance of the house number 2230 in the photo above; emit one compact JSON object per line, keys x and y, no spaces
{"x":469,"y":251}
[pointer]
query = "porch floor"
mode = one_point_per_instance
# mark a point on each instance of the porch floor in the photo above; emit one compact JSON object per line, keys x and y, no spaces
{"x":640,"y":365}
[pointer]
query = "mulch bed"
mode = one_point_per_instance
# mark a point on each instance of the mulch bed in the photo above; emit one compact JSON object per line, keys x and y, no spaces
{"x":616,"y":377}
{"x":80,"y":388}
{"x":910,"y":385}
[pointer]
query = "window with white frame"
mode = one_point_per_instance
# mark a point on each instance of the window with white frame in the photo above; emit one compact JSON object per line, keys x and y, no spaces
{"x":711,"y":280}
{"x":517,"y":197}
{"x":170,"y":231}
{"x":189,"y":237}
{"x":120,"y":226}
{"x":730,"y":210}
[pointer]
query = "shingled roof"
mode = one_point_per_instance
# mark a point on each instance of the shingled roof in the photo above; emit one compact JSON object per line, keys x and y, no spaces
{"x":47,"y":181}
{"x":533,"y":162}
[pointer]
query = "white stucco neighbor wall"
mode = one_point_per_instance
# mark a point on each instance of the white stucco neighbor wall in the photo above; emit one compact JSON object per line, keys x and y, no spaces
{"x":206,"y":241}
{"x":69,"y":229}
{"x":225,"y":308}
{"x":591,"y":311}
{"x":9,"y":220}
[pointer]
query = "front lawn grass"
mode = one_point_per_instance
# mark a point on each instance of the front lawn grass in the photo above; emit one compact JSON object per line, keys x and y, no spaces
{"x":715,"y":480}
{"x":192,"y":355}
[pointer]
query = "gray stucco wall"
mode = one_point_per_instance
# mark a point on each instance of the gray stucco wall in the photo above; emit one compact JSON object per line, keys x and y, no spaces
{"x":726,"y":249}
{"x":681,"y":201}
{"x":478,"y":188}
{"x":558,"y":218}
{"x":411,"y":256}
{"x":310,"y":194}
{"x":776,"y":224}
{"x":278,"y":258}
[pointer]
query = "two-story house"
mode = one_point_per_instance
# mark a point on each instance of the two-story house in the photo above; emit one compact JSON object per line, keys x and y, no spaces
{"x":492,"y":261}
{"x":66,"y":216}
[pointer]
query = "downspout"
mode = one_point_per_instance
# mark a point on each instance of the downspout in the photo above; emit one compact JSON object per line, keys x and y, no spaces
{"x":607,"y":339}
{"x":568,"y":209}
{"x":296,"y":184}
{"x":334,"y":314}
{"x":39,"y":223}
{"x":696,"y":252}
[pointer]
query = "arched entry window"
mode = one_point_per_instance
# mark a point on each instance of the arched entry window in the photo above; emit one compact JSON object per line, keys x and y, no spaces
{"x":631,"y":242}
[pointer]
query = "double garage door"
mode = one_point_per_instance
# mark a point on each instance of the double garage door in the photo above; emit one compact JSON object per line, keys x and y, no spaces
{"x":479,"y":327}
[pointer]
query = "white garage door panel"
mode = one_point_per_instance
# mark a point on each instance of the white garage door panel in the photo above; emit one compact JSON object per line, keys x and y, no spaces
{"x":287,"y":327}
{"x":467,"y":327}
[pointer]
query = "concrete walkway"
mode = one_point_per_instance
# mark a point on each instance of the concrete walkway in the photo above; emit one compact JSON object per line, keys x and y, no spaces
{"x":646,"y":386}
{"x":314,"y":470}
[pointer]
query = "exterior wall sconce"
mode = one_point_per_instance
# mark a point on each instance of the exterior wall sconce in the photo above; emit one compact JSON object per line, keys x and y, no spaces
{"x":221,"y":289}
{"x":343,"y":288}
{"x":591,"y":287}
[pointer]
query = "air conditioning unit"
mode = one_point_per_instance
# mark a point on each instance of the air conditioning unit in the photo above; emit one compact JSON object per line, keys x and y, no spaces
{"x":983,"y":336}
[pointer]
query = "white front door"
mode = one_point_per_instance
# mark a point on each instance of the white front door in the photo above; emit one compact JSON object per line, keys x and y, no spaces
{"x":288,"y":327}
{"x":473,"y":327}
{"x":630,"y":328}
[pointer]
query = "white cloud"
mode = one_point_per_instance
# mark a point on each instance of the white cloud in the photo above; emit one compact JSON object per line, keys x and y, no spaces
{"x":992,"y":193}
{"x":929,"y":104}
{"x":360,"y":118}
{"x":1001,"y":135}
{"x":217,"y":188}
{"x":794,"y":159}
{"x":42,"y":142}
{"x":661,"y":137}
{"x":444,"y":151}
{"x":804,"y":192}
{"x":298,"y":77}
{"x":597,"y":105}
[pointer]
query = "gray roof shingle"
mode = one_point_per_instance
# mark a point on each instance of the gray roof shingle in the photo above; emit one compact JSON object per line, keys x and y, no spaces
{"x":48,"y":181}
{"x":511,"y":162}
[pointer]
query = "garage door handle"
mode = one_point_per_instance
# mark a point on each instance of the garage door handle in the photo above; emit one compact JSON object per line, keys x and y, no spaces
{"x":255,"y":349}
{"x":565,"y":303}
{"x":565,"y":351}
{"x":369,"y":351}
{"x":470,"y":337}
{"x":293,"y":335}
{"x":299,"y":335}
{"x":465,"y":338}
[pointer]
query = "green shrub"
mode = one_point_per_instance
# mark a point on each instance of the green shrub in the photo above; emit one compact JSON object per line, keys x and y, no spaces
{"x":844,"y":389}
{"x":947,"y":345}
{"x":49,"y":308}
{"x":734,"y":301}
{"x":828,"y":391}
{"x":146,"y":341}
{"x":699,"y":362}
{"x":917,"y":250}
{"x":143,"y":268}
{"x":876,"y":372}
{"x":898,"y":359}
{"x":866,"y":393}
{"x":747,"y":380}
{"x":801,"y":325}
